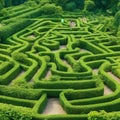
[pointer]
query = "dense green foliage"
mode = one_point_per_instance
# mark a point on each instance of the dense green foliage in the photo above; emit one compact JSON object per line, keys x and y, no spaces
{"x":19,"y":56}
{"x":49,"y":9}
{"x":117,"y":19}
{"x":109,"y":5}
{"x":66,"y":49}
{"x":8,"y":3}
{"x":102,"y":115}
{"x":89,"y":5}
{"x":70,"y":4}
{"x":10,"y":112}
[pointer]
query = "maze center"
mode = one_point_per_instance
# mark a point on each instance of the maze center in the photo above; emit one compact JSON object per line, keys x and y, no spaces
{"x":61,"y":69}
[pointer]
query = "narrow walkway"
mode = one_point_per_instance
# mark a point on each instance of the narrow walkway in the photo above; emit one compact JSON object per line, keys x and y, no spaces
{"x":53,"y":107}
{"x":48,"y":74}
{"x":114,"y":77}
{"x":107,"y":90}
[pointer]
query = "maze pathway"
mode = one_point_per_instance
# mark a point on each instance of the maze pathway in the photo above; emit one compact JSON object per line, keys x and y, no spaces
{"x":77,"y":67}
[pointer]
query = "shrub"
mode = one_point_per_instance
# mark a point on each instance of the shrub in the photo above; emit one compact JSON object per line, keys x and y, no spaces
{"x":8,"y":3}
{"x":71,"y":6}
{"x":102,"y":115}
{"x":118,"y":6}
{"x":1,"y":4}
{"x":31,"y":3}
{"x":94,"y":115}
{"x":117,"y":19}
{"x":80,"y":4}
{"x":49,"y":9}
{"x":109,"y":5}
{"x":10,"y":112}
{"x":89,"y":5}
{"x":43,"y":2}
{"x":70,"y":3}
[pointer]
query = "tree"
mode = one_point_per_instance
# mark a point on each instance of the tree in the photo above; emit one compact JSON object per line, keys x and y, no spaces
{"x":49,"y":9}
{"x":67,"y":3}
{"x":8,"y":3}
{"x":80,"y":4}
{"x":2,"y":4}
{"x":89,"y":5}
{"x":110,"y":5}
{"x":117,"y":21}
{"x":70,"y":6}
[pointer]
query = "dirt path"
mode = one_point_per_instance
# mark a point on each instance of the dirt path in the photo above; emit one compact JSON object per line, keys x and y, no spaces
{"x":114,"y":77}
{"x":31,"y":37}
{"x":60,"y":48}
{"x":48,"y":74}
{"x":53,"y":107}
{"x":107,"y":90}
{"x":95,"y":71}
{"x":83,"y":50}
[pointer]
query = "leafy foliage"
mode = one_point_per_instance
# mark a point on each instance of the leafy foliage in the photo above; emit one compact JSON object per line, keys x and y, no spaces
{"x":10,"y":112}
{"x":89,"y":5}
{"x":109,"y":5}
{"x":54,"y":78}
{"x":4,"y":13}
{"x":77,"y":67}
{"x":49,"y":9}
{"x":117,"y":19}
{"x":19,"y":56}
{"x":70,"y":6}
{"x":102,"y":115}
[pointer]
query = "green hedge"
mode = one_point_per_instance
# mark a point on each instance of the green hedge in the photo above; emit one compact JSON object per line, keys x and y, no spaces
{"x":9,"y":112}
{"x":102,"y":115}
{"x":20,"y":92}
{"x":12,"y":28}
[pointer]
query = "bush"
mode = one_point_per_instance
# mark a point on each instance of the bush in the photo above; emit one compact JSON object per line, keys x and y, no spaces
{"x":70,"y":3}
{"x":10,"y":112}
{"x":109,"y":5}
{"x":89,"y":5}
{"x":43,"y":2}
{"x":71,"y":6}
{"x":97,"y":115}
{"x":80,"y":4}
{"x":102,"y":115}
{"x":49,"y":9}
{"x":117,"y":19}
{"x":8,"y":3}
{"x":1,"y":4}
{"x":31,"y":4}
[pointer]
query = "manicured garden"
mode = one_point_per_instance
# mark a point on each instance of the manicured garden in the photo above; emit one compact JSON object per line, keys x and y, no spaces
{"x":59,"y":52}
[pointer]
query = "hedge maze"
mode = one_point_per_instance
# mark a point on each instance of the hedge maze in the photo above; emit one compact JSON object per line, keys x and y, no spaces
{"x":45,"y":59}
